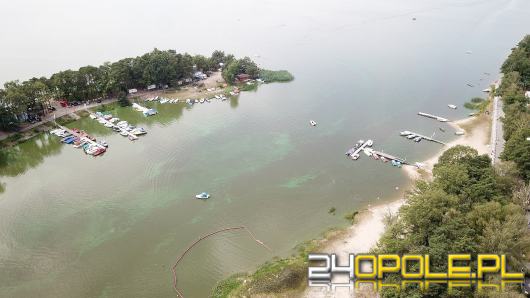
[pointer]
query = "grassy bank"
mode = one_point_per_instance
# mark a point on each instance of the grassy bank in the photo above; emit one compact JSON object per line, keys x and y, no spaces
{"x":270,"y":76}
{"x":284,"y":277}
{"x":280,"y":277}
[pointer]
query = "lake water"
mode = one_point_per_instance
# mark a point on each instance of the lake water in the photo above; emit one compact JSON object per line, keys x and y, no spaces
{"x":76,"y":226}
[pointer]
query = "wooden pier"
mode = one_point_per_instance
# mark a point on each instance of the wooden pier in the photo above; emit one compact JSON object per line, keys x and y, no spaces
{"x":390,"y":157}
{"x":420,"y":136}
{"x":355,"y":154}
{"x":441,"y":119}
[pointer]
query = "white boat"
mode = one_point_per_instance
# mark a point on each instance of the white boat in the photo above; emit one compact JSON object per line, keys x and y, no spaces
{"x":196,"y":101}
{"x":138,"y":131}
{"x":417,"y":139}
{"x":124,"y":133}
{"x":452,"y":107}
{"x":411,"y":136}
{"x":405,"y":133}
{"x":114,"y":120}
{"x":122,"y":124}
{"x":202,"y":100}
{"x":355,"y":156}
{"x":163,"y":100}
{"x":312,"y":122}
{"x":460,"y":132}
{"x":203,"y":195}
{"x":133,"y":137}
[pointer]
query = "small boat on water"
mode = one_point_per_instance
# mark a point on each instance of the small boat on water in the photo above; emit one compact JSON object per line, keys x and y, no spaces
{"x":99,"y":151}
{"x":396,"y":163}
{"x":411,"y":136}
{"x":133,"y":138}
{"x":104,"y":144}
{"x":384,"y":159}
{"x":196,"y":101}
{"x":452,"y":107}
{"x":203,"y":195}
{"x":417,"y":139}
{"x":163,"y":100}
{"x":355,"y":156}
{"x":138,"y":131}
{"x":460,"y":132}
{"x":405,"y":133}
{"x":441,"y":129}
{"x":201,"y":100}
{"x":124,"y":133}
{"x":312,"y":122}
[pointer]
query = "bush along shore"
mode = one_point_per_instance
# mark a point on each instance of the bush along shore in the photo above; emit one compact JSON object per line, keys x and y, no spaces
{"x":467,"y":206}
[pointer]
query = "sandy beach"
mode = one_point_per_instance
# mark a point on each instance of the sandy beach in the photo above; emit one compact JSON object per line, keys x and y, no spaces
{"x":370,"y":225}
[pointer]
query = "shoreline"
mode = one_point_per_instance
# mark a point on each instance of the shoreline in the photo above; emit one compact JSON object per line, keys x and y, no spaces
{"x":364,"y":234}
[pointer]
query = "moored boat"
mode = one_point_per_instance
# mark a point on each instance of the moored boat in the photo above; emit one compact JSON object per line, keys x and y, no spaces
{"x":203,"y":195}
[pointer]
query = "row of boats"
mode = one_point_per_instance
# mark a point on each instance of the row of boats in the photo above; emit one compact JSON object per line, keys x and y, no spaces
{"x":411,"y":136}
{"x":188,"y":101}
{"x":80,"y":139}
{"x":120,"y":126}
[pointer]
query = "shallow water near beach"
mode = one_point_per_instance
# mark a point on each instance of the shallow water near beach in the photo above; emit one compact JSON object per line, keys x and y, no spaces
{"x":112,"y":226}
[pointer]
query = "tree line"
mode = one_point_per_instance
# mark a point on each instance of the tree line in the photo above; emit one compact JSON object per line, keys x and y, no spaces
{"x":160,"y":68}
{"x":515,"y":83}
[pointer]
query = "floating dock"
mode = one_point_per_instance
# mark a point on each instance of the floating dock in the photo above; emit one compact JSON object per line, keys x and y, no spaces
{"x":130,"y":135}
{"x":441,"y":119}
{"x":390,"y":157}
{"x":354,"y":152}
{"x":84,"y":138}
{"x":407,"y":133}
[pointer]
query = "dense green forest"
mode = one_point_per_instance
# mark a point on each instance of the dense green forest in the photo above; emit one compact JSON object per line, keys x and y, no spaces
{"x":160,"y":68}
{"x":515,"y":83}
{"x":469,"y":207}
